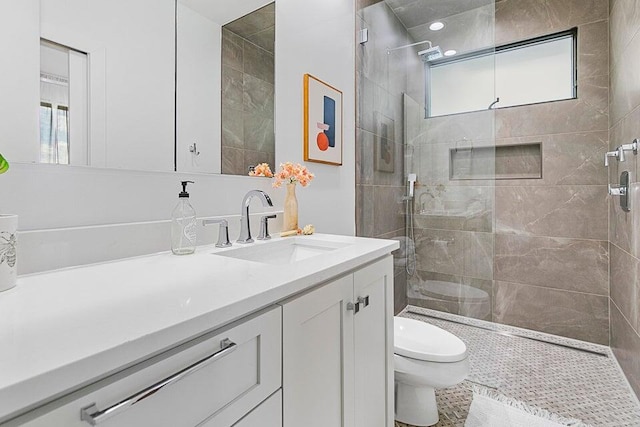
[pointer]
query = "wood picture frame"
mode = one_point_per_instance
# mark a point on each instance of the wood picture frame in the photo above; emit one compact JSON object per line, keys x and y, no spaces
{"x":323,"y":122}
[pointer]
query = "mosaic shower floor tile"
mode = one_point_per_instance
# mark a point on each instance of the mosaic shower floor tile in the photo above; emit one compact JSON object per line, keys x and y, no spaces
{"x":586,"y":385}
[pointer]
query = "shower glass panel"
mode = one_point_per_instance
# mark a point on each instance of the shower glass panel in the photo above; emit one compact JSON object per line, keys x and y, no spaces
{"x":446,"y":225}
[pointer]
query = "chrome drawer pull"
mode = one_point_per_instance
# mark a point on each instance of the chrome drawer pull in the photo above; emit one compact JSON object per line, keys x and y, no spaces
{"x":93,"y":416}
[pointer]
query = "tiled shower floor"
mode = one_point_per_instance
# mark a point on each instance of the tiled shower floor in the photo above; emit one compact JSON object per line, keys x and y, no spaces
{"x":571,"y":383}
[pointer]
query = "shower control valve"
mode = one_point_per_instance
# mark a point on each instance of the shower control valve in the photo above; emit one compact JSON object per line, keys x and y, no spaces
{"x":616,"y":190}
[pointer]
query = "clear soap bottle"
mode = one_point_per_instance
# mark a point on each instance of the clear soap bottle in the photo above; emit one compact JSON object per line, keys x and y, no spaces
{"x":183,"y":224}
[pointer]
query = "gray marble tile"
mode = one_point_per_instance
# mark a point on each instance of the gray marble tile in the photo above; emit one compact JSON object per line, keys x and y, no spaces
{"x":451,"y":293}
{"x":399,"y":292}
{"x":252,"y":158}
{"x":266,"y":39}
{"x":441,"y":206}
{"x":389,"y":214}
{"x":440,"y":251}
{"x":478,"y":255}
{"x":365,"y":208}
{"x":577,"y":211}
{"x":624,"y":227}
{"x":232,"y":128}
{"x":625,"y":75}
{"x":566,"y":264}
{"x":585,"y":114}
{"x":232,"y":88}
{"x":254,"y":22}
{"x":416,"y":12}
{"x":258,"y":62}
{"x":570,"y":314}
{"x":625,"y":285}
{"x":364,"y":157}
{"x":258,"y":133}
{"x":567,"y":159}
{"x":459,"y":128}
{"x":522,"y":19}
{"x":624,"y":19}
{"x":624,"y":132}
{"x":592,"y":49}
{"x":232,"y":50}
{"x":258,"y":96}
{"x":625,"y":343}
{"x":465,"y":32}
{"x":232,"y":161}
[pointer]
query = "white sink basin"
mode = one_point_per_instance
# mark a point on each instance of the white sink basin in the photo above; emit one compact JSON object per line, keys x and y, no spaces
{"x":282,"y":251}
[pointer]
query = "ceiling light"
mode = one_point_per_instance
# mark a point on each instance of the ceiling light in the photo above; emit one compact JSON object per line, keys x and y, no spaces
{"x":450,"y":52}
{"x":436,"y":26}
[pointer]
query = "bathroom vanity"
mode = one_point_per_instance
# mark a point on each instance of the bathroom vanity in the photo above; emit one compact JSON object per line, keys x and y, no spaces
{"x":289,"y":332}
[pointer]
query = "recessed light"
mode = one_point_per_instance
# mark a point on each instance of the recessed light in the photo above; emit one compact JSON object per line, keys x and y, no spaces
{"x":436,"y":26}
{"x":450,"y":52}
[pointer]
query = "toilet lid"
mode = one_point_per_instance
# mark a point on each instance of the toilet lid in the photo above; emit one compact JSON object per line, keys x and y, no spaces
{"x":423,"y":341}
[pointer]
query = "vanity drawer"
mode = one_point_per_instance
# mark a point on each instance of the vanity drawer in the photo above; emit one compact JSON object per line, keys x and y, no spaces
{"x":268,"y":414}
{"x":219,"y":379}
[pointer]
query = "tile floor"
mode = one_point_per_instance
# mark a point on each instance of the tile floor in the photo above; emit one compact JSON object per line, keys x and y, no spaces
{"x":571,"y":383}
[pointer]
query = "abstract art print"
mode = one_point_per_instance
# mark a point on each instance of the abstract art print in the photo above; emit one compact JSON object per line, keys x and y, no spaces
{"x":322,"y":122}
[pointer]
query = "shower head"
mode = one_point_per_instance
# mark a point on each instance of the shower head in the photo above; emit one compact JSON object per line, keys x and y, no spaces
{"x":431,"y":54}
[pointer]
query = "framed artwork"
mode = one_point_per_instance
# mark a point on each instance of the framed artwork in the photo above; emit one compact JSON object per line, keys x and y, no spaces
{"x":322,"y":122}
{"x":384,"y":151}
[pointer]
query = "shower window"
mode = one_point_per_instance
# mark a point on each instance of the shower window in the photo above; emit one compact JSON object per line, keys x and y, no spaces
{"x":528,"y":72}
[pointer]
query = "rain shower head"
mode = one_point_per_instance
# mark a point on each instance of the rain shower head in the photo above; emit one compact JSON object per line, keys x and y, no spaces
{"x":431,"y":54}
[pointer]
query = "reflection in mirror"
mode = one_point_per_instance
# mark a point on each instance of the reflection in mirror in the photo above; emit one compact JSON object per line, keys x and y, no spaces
{"x":63,"y":137}
{"x":93,"y":83}
{"x":248,"y":91}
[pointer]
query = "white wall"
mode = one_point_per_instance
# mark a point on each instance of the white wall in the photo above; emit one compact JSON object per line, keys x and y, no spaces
{"x":317,"y":37}
{"x":74,"y":215}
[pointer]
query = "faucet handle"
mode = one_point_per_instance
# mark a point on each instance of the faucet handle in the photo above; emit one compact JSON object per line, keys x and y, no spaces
{"x":223,"y":233}
{"x":615,"y":153}
{"x":264,"y":227}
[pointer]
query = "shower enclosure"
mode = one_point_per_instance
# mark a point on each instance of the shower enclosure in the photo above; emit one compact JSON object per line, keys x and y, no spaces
{"x":499,"y":125}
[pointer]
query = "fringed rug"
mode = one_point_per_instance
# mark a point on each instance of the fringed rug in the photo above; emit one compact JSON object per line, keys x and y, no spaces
{"x":492,"y":409}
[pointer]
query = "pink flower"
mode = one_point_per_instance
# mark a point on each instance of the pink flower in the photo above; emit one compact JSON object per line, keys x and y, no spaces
{"x":291,"y":174}
{"x":262,"y":169}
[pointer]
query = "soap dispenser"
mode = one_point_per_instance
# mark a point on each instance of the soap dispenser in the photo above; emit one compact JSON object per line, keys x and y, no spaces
{"x":183,"y":224}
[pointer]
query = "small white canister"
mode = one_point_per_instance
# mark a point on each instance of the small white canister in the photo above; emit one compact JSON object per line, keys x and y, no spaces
{"x":8,"y":248}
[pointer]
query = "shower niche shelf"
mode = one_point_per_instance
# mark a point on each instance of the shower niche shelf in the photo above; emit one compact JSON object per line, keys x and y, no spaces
{"x":518,"y":161}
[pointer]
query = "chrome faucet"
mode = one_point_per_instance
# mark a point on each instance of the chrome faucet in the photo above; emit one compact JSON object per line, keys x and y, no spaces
{"x":245,"y":228}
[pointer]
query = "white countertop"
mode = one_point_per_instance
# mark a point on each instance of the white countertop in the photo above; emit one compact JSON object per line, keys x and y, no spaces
{"x":67,"y":328}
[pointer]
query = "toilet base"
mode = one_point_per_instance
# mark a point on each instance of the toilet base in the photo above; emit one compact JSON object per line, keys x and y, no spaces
{"x":416,"y":405}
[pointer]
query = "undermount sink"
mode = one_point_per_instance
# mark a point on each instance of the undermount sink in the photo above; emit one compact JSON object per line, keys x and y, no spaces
{"x":286,"y":251}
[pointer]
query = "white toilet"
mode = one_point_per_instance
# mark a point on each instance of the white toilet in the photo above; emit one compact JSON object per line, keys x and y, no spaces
{"x":425,"y":358}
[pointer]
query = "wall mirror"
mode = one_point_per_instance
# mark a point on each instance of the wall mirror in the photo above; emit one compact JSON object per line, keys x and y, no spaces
{"x":140,"y":84}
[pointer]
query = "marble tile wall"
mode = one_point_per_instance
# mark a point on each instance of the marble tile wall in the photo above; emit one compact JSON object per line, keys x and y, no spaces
{"x":537,"y":249}
{"x":551,"y":238}
{"x":248,"y":136}
{"x":624,"y":227}
{"x":381,"y":82}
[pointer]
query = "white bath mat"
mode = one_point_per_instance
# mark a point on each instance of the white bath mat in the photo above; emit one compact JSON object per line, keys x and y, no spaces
{"x":491,"y":409}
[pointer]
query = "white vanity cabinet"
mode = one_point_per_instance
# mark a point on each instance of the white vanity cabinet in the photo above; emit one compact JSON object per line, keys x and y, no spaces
{"x":234,"y":370}
{"x":338,"y":352}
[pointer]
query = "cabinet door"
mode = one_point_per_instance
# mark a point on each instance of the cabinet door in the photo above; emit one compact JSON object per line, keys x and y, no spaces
{"x":317,"y":357}
{"x":373,"y":337}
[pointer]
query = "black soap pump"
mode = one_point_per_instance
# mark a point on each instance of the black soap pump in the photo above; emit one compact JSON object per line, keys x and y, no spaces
{"x":183,"y":224}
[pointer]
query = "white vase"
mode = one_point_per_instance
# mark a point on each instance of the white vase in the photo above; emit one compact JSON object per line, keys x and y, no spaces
{"x":8,"y":255}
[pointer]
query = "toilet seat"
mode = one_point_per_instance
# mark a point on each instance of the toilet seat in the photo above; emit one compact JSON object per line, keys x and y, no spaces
{"x":423,"y":341}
